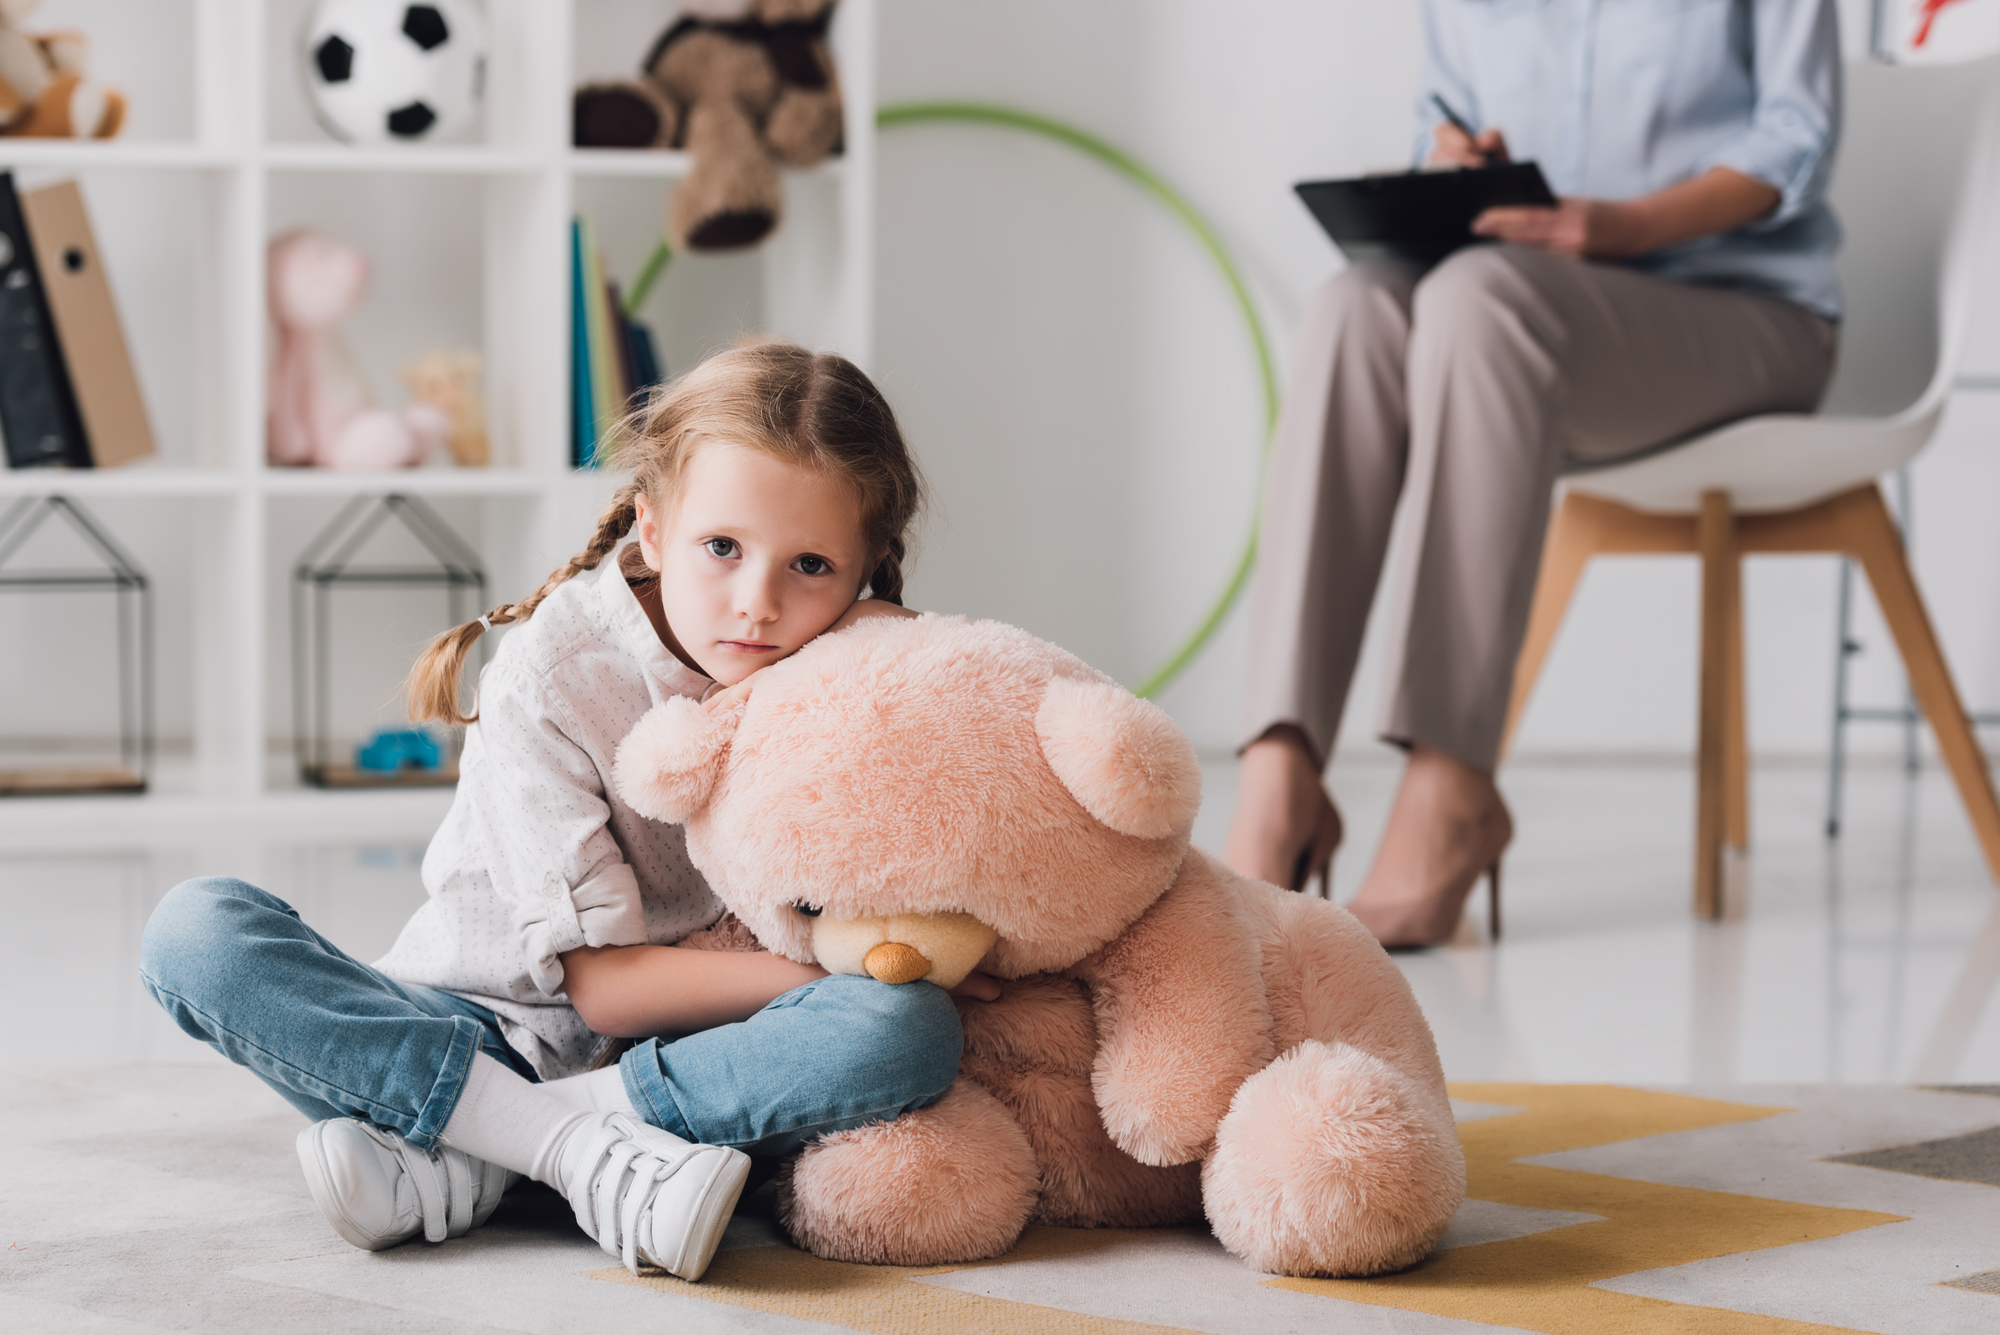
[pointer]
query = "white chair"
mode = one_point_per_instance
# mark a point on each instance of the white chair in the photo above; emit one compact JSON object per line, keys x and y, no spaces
{"x":1912,"y":188}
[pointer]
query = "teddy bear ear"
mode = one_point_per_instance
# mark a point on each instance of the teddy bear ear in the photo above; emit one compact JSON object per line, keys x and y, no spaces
{"x":668,"y":764}
{"x":1121,"y":757}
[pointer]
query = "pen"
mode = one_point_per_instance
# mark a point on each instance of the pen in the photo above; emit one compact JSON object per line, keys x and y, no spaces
{"x":1457,"y":121}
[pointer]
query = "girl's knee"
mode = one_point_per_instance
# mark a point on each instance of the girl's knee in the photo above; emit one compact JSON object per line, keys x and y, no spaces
{"x":913,"y":1027}
{"x":197,"y":924}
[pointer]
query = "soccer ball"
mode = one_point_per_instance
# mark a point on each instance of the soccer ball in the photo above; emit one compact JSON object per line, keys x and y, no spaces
{"x":380,"y":71}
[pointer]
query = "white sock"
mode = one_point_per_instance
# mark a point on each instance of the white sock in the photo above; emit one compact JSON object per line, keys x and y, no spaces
{"x":594,"y":1091}
{"x":513,"y":1122}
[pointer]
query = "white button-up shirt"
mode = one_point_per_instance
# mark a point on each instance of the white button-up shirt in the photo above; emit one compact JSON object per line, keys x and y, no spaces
{"x":537,"y":855}
{"x":1620,"y":98}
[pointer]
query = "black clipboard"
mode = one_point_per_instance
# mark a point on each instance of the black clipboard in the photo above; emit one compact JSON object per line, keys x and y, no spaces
{"x":1421,"y":216}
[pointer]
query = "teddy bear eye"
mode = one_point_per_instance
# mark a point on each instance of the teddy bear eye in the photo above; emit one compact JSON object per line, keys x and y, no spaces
{"x":807,"y":910}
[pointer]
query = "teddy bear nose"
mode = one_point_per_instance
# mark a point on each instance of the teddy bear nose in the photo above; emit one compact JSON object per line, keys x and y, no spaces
{"x":894,"y":962}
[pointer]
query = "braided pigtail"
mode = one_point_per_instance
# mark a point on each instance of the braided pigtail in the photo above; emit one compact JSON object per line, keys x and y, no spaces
{"x":887,"y":581}
{"x":433,"y":684}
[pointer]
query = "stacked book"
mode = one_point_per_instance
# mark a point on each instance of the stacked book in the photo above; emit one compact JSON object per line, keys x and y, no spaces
{"x":68,"y":396}
{"x":613,"y":360}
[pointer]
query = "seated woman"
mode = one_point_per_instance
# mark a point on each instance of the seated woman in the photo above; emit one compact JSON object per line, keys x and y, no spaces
{"x":1685,"y":278}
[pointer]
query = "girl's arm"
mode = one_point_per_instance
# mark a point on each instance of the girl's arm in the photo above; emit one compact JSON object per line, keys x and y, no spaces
{"x":646,"y":991}
{"x":657,"y":991}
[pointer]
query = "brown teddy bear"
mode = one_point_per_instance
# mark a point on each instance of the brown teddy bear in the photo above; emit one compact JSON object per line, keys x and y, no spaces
{"x":736,"y":86}
{"x":44,"y":93}
{"x":910,"y":799}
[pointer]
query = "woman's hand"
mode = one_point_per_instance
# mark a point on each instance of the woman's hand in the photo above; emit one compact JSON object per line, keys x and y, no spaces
{"x":1453,"y":147}
{"x":1578,"y":228}
{"x":1719,"y":200}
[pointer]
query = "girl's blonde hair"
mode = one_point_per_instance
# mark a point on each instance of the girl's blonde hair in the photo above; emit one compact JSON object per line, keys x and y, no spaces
{"x":813,"y":410}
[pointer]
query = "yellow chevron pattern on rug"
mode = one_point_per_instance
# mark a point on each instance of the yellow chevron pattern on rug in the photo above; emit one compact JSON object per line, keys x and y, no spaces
{"x":1541,"y":1282}
{"x":881,"y":1300}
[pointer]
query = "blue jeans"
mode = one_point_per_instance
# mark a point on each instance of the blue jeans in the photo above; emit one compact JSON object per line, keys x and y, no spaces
{"x":236,"y":968}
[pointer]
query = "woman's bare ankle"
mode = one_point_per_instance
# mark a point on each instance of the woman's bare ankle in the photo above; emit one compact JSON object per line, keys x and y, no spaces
{"x":1282,"y":809}
{"x":1454,"y":788}
{"x":1446,"y":825}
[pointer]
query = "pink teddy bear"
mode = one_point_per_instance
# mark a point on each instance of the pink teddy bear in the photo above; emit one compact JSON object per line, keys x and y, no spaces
{"x":915,"y":798}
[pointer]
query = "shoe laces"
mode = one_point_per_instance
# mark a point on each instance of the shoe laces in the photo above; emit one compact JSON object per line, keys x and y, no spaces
{"x":615,"y":1183}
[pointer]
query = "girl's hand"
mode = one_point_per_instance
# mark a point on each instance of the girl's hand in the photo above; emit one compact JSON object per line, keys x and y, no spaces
{"x":730,"y":697}
{"x":978,"y":986}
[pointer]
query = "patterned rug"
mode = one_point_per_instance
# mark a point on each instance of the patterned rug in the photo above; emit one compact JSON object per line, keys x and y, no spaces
{"x":165,"y":1198}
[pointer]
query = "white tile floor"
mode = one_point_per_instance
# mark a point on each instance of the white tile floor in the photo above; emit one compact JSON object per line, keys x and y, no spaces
{"x":1871,"y":960}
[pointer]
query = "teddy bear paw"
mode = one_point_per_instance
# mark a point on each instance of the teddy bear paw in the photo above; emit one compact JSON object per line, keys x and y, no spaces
{"x":952,"y":1182}
{"x":1331,"y":1162}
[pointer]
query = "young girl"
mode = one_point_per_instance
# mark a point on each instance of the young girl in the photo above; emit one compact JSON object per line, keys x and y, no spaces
{"x":771,"y":491}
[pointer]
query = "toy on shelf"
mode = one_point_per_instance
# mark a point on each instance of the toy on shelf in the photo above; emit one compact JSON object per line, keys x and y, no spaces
{"x":354,"y":552}
{"x":393,"y":750}
{"x":911,"y":799}
{"x":740,"y":86}
{"x":449,"y":382}
{"x":44,"y":93}
{"x":320,"y":409}
{"x":381,"y":71}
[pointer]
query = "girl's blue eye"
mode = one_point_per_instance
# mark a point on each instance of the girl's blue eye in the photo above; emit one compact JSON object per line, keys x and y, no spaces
{"x":813,"y":565}
{"x":723,"y":547}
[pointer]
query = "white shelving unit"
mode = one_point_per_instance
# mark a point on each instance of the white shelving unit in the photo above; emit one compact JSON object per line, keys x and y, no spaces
{"x":470,"y":248}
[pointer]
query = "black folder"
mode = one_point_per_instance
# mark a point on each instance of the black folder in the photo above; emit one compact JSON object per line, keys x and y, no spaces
{"x":38,"y":412}
{"x":1420,"y":216}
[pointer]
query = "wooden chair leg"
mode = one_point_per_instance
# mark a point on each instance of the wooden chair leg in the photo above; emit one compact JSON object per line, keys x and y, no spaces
{"x":1736,"y":741}
{"x":1716,"y":537}
{"x":1572,"y":540}
{"x":1873,"y":539}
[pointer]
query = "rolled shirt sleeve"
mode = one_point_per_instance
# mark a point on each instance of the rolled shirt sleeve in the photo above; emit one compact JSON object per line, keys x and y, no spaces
{"x":556,"y":865}
{"x":1796,"y":121}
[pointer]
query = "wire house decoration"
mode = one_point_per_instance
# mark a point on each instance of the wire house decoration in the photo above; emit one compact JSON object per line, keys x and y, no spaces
{"x":331,"y":562}
{"x":120,"y":576}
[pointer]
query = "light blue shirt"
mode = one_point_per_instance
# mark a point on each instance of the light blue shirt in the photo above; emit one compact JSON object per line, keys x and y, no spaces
{"x":1619,"y":98}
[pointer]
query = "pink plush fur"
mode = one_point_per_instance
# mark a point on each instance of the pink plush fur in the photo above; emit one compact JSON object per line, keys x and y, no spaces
{"x":963,"y":1163}
{"x":1171,"y":1038}
{"x":1121,"y":758}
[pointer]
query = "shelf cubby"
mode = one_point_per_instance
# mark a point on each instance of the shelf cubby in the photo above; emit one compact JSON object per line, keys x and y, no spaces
{"x":469,"y":246}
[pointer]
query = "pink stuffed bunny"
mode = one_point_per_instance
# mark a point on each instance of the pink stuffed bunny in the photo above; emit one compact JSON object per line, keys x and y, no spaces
{"x":913,"y":798}
{"x":320,"y":411}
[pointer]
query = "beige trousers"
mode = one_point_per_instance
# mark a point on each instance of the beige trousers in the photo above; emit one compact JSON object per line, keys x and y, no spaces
{"x":1465,"y":391}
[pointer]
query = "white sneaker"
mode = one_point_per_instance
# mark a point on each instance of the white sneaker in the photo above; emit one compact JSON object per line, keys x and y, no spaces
{"x":377,"y":1189}
{"x":647,"y":1195}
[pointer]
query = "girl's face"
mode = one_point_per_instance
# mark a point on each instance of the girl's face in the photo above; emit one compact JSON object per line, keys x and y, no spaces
{"x":758,"y":557}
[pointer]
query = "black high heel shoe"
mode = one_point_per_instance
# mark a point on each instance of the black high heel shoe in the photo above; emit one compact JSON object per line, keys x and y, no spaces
{"x":1315,"y":860}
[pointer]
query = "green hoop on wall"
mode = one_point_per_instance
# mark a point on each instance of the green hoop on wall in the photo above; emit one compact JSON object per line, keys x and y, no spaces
{"x":980,"y":113}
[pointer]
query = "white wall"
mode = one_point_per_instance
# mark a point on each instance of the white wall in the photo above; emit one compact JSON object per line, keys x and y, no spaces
{"x":1075,"y":376}
{"x":1077,"y":383}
